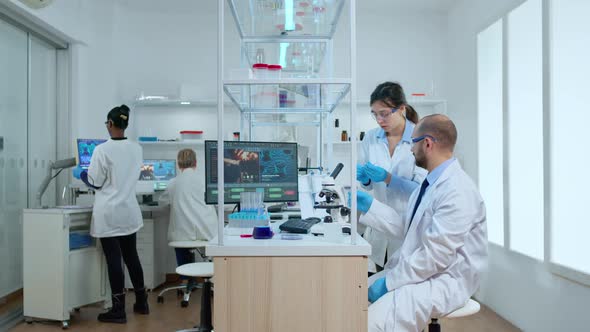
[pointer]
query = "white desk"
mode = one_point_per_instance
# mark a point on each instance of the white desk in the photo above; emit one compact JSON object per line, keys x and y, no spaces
{"x":290,"y":285}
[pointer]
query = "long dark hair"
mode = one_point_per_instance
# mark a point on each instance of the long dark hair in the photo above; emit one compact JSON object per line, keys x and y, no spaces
{"x":119,"y":116}
{"x":392,"y":94}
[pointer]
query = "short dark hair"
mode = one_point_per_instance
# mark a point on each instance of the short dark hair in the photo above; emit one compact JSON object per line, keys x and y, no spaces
{"x":392,"y":94}
{"x":119,"y":116}
{"x":441,"y":128}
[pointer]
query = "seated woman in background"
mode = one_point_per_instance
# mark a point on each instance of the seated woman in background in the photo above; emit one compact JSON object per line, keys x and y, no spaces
{"x":190,"y":218}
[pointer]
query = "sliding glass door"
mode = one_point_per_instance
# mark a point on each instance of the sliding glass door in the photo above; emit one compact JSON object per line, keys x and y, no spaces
{"x":27,"y":139}
{"x":13,"y":153}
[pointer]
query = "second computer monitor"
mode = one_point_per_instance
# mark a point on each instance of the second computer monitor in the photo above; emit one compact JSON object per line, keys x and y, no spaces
{"x":252,"y":166}
{"x":157,"y":170}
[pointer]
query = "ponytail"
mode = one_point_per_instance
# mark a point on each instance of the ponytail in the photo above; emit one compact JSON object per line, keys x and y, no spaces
{"x":411,"y":114}
{"x":119,"y":116}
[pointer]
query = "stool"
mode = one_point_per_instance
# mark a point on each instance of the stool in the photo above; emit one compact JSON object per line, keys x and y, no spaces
{"x":185,"y":291}
{"x":470,"y":308}
{"x":204,"y":270}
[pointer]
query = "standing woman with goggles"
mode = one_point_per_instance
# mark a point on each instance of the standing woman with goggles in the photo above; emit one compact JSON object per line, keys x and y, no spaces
{"x":386,"y":164}
{"x":116,"y":217}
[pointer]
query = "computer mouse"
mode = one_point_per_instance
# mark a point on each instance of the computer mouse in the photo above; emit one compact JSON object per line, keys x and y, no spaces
{"x":346,"y":229}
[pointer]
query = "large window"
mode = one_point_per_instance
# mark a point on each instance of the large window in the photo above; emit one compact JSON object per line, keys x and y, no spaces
{"x":544,"y":161}
{"x":490,"y":119}
{"x":525,"y":128}
{"x":570,"y":117}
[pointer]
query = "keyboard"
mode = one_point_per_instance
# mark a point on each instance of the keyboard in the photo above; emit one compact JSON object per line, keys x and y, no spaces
{"x":301,"y":226}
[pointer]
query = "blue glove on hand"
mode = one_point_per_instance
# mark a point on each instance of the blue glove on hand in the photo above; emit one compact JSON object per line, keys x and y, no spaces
{"x":363,"y":201}
{"x":375,"y":173}
{"x":361,"y":174}
{"x":377,"y":289}
{"x":77,"y":171}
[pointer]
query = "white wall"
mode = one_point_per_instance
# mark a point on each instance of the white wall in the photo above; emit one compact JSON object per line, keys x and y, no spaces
{"x":88,"y":25}
{"x":518,"y":288}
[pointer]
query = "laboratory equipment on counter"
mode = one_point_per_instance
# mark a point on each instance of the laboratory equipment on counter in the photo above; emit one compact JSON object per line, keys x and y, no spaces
{"x":334,"y":197}
{"x":58,"y":165}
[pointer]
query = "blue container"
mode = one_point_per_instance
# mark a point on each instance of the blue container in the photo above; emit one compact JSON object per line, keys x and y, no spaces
{"x":80,"y":240}
{"x":148,"y":138}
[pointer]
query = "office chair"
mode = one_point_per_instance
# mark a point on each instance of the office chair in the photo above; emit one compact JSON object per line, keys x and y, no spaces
{"x":185,"y":290}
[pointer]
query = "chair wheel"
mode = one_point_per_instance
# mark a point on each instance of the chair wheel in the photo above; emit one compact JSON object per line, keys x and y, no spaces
{"x":184,"y":303}
{"x":179,"y":292}
{"x":160,"y":299}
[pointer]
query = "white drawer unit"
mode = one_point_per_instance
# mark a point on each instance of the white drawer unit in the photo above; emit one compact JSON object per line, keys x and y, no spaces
{"x":57,"y":280}
{"x":151,"y":249}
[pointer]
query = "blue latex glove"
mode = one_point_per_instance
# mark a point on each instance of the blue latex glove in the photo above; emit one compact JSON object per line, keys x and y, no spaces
{"x":363,"y":201}
{"x":76,"y":172}
{"x":377,"y":289}
{"x":361,"y":174}
{"x":375,"y":173}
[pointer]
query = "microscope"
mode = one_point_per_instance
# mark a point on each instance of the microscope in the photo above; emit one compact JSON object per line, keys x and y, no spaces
{"x":335,"y":198}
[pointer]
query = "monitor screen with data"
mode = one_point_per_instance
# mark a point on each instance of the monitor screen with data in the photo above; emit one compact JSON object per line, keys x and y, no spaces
{"x":158,"y":170}
{"x":269,"y":167}
{"x":85,"y":147}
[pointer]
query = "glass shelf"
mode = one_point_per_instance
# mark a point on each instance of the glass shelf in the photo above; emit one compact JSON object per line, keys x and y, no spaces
{"x":287,"y":19}
{"x":287,"y":95}
{"x":296,"y":57}
{"x":164,"y":102}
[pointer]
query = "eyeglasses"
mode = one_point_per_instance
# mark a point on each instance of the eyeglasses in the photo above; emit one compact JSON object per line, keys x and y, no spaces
{"x":383,"y":115}
{"x":107,"y":122}
{"x":420,"y":138}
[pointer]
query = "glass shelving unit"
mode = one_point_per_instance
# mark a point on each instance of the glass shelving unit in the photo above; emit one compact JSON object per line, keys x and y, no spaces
{"x":297,"y":34}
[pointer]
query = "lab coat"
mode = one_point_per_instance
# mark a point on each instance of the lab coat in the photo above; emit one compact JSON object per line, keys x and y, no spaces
{"x":190,"y":218}
{"x":115,"y":167}
{"x":406,"y":176}
{"x":443,"y":255}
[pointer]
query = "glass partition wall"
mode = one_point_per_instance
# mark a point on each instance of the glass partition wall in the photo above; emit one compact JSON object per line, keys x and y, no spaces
{"x":28,"y":131}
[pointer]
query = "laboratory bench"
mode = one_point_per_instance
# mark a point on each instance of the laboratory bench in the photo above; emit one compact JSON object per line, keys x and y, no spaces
{"x":290,"y":285}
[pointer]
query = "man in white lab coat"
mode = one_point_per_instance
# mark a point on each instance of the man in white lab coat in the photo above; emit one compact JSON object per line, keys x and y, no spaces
{"x":444,"y":250}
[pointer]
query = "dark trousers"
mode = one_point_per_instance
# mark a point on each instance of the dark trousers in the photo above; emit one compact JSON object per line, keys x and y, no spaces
{"x":114,"y":249}
{"x":184,"y":256}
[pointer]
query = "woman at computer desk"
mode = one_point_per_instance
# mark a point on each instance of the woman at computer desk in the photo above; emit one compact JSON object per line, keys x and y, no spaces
{"x":190,"y":218}
{"x":113,"y":174}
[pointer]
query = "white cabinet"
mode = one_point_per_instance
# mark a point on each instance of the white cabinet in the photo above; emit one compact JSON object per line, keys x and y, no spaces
{"x":56,"y":279}
{"x":153,"y":250}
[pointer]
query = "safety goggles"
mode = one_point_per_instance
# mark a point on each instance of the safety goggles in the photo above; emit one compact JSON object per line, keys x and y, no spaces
{"x":420,"y":138}
{"x":383,"y":115}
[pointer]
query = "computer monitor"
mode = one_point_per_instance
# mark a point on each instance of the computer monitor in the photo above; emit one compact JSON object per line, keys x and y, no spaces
{"x":252,"y":166}
{"x":85,"y":147}
{"x":158,"y":170}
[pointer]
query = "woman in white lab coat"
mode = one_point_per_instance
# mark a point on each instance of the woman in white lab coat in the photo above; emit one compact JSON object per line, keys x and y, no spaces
{"x":386,"y":163}
{"x":116,"y":218}
{"x":190,"y":218}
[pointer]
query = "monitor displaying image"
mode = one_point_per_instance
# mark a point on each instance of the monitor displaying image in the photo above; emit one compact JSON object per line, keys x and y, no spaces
{"x":157,"y":170}
{"x":85,"y":147}
{"x":253,"y":166}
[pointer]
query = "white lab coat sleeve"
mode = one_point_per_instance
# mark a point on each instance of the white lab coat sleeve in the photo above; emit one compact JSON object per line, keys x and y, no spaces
{"x":384,"y":219}
{"x":98,"y":169}
{"x":454,"y":217}
{"x":402,"y":185}
{"x":166,"y":197}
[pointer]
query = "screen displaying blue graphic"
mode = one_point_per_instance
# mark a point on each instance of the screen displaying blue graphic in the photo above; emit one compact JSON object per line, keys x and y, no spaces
{"x":85,"y":148}
{"x":157,"y":170}
{"x":253,"y":166}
